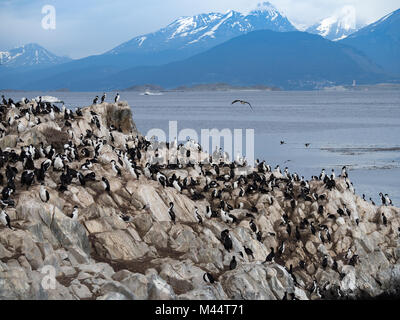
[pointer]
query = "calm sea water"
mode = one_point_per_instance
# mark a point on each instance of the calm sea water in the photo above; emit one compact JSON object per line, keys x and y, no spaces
{"x":360,"y":129}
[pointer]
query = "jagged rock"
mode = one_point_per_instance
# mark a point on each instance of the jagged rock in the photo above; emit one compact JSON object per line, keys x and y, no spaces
{"x":157,"y":236}
{"x":80,"y":290}
{"x":97,"y":269}
{"x":14,"y":285}
{"x":119,"y":245}
{"x":159,"y":289}
{"x":67,"y":271}
{"x":117,"y":287}
{"x":135,"y":282}
{"x":249,"y":283}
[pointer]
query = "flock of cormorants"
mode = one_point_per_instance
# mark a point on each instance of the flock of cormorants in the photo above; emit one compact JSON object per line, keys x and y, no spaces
{"x":217,"y":181}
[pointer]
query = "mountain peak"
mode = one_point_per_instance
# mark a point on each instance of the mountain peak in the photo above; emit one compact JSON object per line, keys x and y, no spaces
{"x":200,"y":32}
{"x":30,"y":54}
{"x":338,"y":26}
{"x":266,"y":7}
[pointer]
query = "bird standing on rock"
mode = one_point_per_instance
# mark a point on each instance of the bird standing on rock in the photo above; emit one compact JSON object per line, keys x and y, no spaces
{"x":171,"y":212}
{"x":249,"y":252}
{"x":253,"y":226}
{"x":325,"y":262}
{"x":75,"y":213}
{"x":384,"y":220}
{"x":226,"y":240}
{"x":388,"y":200}
{"x":270,"y":256}
{"x":281,"y":249}
{"x":259,"y":236}
{"x":198,"y":216}
{"x":44,"y":194}
{"x":344,"y":172}
{"x":5,"y":219}
{"x":106,"y":184}
{"x":208,"y":278}
{"x":115,"y":168}
{"x":233,"y":263}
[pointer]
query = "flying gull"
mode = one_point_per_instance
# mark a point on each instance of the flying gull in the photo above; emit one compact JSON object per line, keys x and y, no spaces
{"x":243,"y":102}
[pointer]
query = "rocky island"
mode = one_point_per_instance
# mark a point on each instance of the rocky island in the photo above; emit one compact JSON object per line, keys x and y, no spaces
{"x":88,"y":213}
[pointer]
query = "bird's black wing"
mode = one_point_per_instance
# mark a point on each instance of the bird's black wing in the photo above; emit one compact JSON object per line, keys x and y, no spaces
{"x":249,"y":105}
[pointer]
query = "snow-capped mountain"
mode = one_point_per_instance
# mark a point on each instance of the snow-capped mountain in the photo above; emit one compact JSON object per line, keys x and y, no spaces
{"x":338,"y":26}
{"x":204,"y":31}
{"x":30,"y":55}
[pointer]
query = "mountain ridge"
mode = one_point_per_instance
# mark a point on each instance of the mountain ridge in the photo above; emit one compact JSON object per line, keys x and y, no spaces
{"x":187,"y":37}
{"x":206,"y":30}
{"x":29,"y":55}
{"x":273,"y":65}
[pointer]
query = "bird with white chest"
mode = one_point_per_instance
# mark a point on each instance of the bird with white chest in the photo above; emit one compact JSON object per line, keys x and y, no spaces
{"x":105,"y":184}
{"x":58,"y":163}
{"x":209,"y":212}
{"x":147,"y":171}
{"x":44,"y":194}
{"x":177,"y":185}
{"x":171,"y":212}
{"x":198,"y":216}
{"x":5,"y":219}
{"x":75,"y":213}
{"x":115,"y":168}
{"x":225,"y":217}
{"x":344,"y":172}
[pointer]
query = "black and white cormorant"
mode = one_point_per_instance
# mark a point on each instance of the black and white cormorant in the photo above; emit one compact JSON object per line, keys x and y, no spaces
{"x":106,"y":184}
{"x":5,"y":219}
{"x":44,"y":194}
{"x":208,"y":278}
{"x":171,"y":212}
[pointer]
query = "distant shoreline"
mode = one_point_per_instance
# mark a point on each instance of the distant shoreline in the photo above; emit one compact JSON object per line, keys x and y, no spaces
{"x":223,"y":87}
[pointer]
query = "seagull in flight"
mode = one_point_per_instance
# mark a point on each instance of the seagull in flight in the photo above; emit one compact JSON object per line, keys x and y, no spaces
{"x":242,"y":102}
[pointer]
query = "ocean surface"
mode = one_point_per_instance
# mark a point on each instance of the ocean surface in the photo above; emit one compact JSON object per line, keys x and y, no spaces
{"x":359,"y":129}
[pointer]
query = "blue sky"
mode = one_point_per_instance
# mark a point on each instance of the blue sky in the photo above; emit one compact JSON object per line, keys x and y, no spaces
{"x":94,"y":26}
